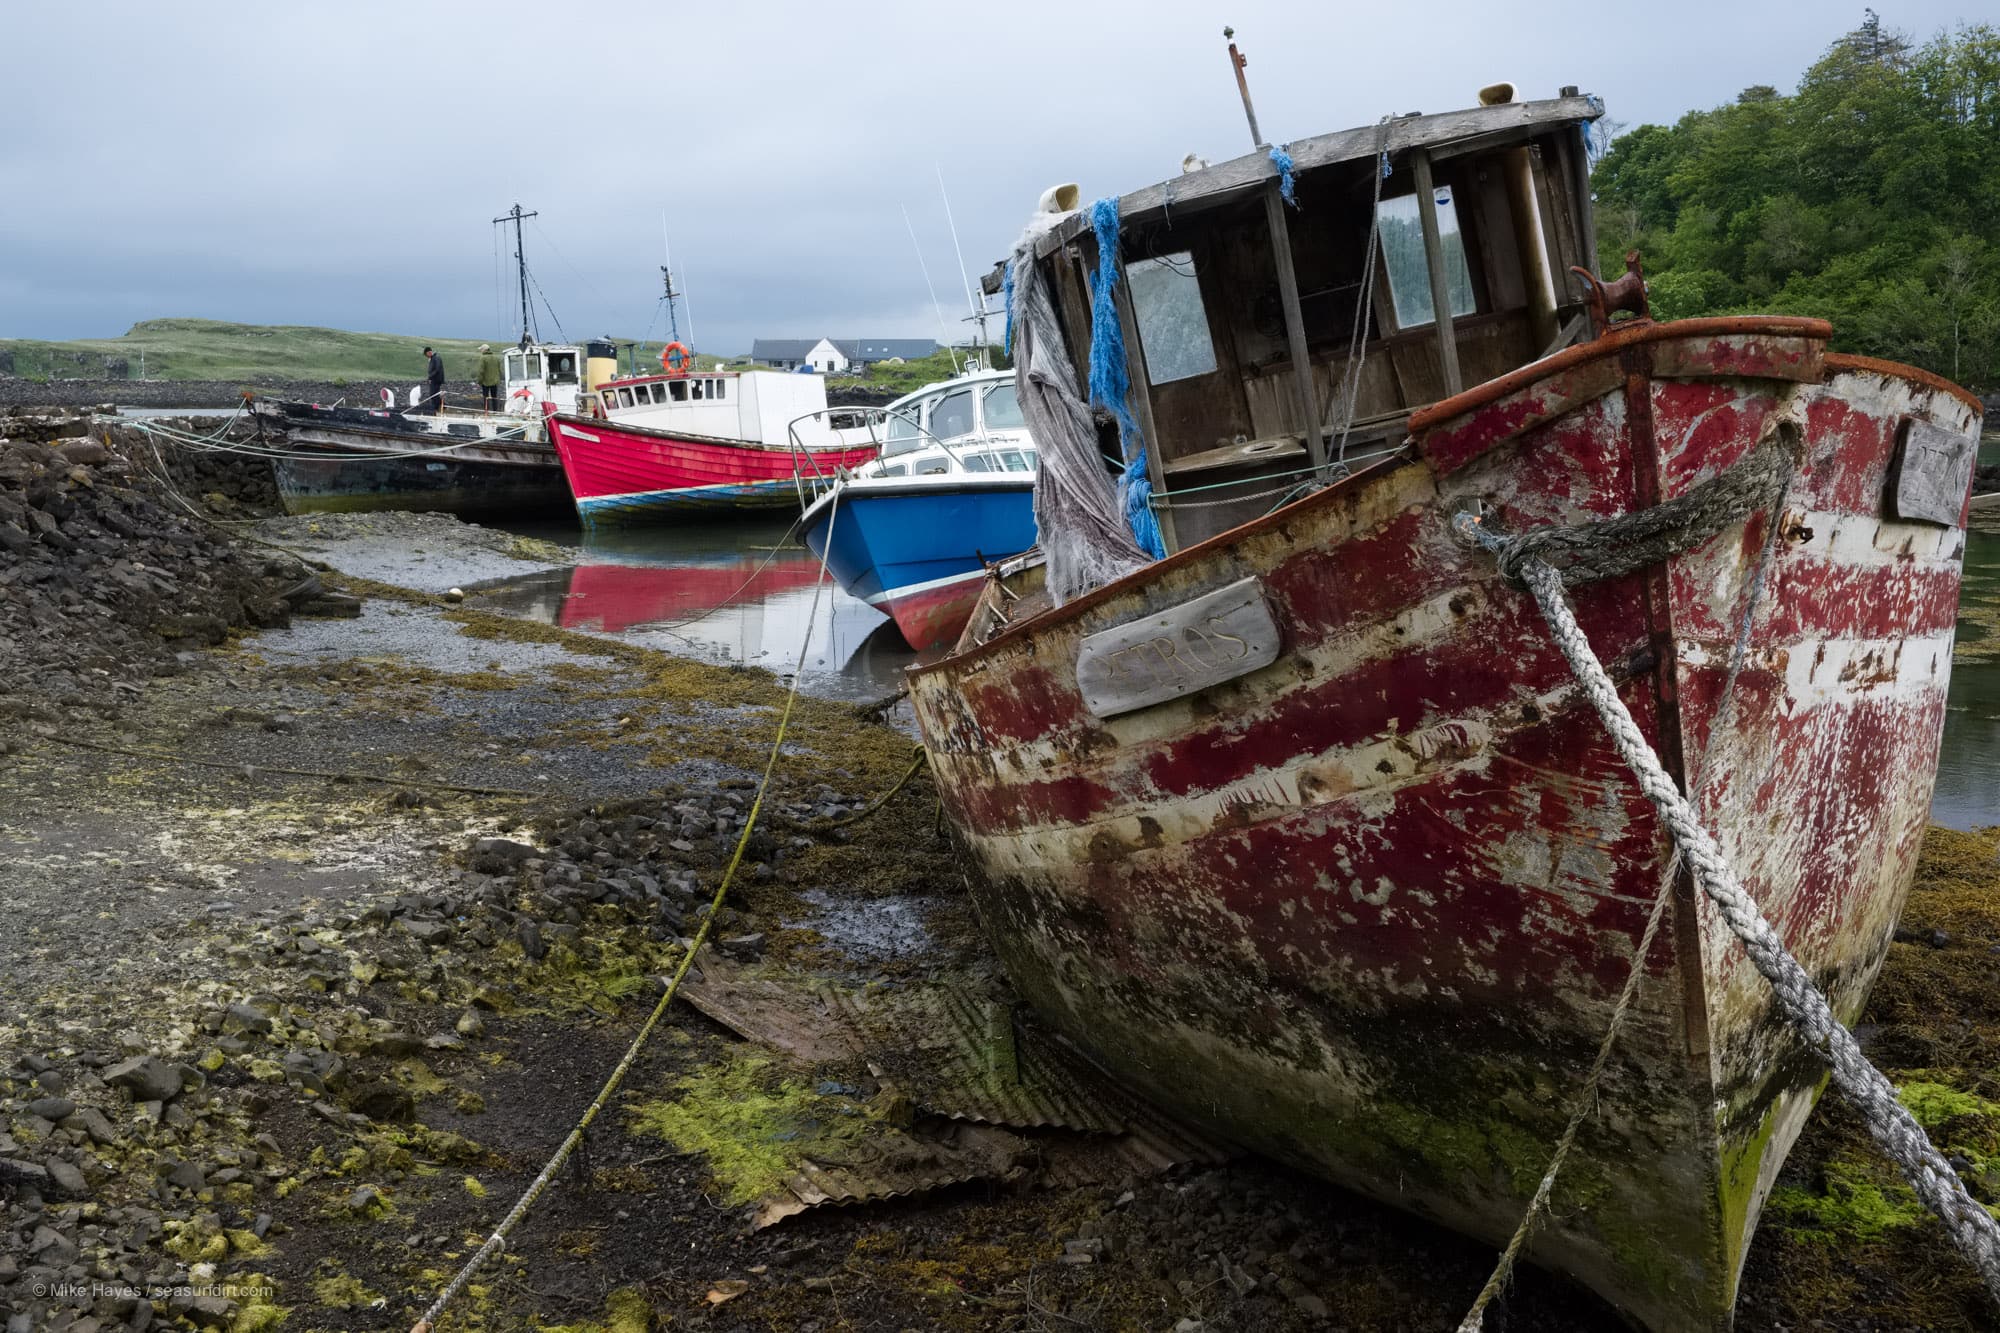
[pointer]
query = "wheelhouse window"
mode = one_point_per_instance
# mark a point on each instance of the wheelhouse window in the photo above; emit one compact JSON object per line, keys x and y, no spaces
{"x":979,"y":463}
{"x":1001,"y":408}
{"x":951,"y":415}
{"x":562,"y":367}
{"x":532,"y":365}
{"x":718,"y":389}
{"x":903,"y":433}
{"x":1173,"y":323}
{"x":1401,"y":221}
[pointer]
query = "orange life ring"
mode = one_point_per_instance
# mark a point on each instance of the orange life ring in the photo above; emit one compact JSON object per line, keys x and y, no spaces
{"x":676,"y":359}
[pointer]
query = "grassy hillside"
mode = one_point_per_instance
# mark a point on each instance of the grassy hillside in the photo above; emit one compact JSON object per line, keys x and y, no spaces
{"x":207,"y":349}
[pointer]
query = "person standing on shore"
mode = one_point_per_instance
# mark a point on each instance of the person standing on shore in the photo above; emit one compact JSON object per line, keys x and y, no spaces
{"x":489,"y":378}
{"x":433,"y":381}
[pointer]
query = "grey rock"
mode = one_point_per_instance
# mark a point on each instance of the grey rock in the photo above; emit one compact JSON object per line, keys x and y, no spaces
{"x":746,"y":947}
{"x":246,"y":1018}
{"x":67,"y":1179}
{"x":23,"y":1175}
{"x":92,"y":1122}
{"x":147,"y":1077}
{"x":50,"y":1246}
{"x":426,"y":932}
{"x":532,"y":943}
{"x":497,"y":856}
{"x":52,"y":1108}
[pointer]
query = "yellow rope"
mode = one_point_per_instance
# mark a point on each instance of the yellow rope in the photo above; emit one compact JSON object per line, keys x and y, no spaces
{"x":498,"y":1240}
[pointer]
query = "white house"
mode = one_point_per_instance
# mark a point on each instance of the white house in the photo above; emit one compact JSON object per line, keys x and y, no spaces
{"x":831,"y":356}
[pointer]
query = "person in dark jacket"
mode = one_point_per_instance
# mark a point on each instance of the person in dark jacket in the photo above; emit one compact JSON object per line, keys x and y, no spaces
{"x":433,"y":382}
{"x":489,"y":377}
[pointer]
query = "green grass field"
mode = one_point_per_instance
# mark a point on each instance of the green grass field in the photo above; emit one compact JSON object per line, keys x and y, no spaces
{"x":208,"y":349}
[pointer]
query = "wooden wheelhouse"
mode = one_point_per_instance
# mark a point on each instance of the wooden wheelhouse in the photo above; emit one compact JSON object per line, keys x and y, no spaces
{"x":1239,"y":310}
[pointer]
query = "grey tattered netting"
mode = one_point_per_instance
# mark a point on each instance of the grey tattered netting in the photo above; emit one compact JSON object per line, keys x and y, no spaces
{"x":1082,"y":531}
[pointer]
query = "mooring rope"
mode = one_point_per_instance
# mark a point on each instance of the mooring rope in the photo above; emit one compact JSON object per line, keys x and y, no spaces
{"x":1971,"y":1227}
{"x":877,"y":803}
{"x":498,"y":1240}
{"x":1585,"y":1102}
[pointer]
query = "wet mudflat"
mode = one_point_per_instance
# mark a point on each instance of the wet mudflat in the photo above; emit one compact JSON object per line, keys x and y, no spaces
{"x":318,"y":1034}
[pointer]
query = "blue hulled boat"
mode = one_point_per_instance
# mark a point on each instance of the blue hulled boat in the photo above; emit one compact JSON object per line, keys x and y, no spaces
{"x":953,"y":490}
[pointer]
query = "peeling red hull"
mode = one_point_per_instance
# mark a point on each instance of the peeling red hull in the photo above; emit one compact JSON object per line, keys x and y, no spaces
{"x":1367,"y":908}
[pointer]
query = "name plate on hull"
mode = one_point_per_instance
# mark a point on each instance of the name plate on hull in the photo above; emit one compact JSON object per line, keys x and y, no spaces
{"x":1932,"y":474}
{"x":1216,"y":637}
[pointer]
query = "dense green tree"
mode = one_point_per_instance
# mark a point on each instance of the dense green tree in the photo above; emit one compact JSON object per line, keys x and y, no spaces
{"x":1870,"y":196}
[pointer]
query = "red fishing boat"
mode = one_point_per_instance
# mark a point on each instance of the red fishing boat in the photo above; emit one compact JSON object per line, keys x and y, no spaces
{"x":616,"y":598}
{"x":1307,"y":830}
{"x":651,"y":447}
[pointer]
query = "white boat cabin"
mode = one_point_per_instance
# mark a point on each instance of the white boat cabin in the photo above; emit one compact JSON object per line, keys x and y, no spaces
{"x":972,"y":423}
{"x":762,"y":407}
{"x":548,"y":373}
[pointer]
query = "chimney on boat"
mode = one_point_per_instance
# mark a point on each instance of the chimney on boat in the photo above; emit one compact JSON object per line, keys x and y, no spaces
{"x":600,"y":362}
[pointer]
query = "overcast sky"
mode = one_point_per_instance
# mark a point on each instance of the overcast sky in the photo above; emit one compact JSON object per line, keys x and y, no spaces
{"x":337,"y":164}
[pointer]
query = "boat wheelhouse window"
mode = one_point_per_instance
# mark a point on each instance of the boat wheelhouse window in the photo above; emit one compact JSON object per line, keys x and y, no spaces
{"x":656,"y":392}
{"x":1401,"y":221}
{"x":718,"y":389}
{"x":1173,"y":325}
{"x":896,"y":470}
{"x":1001,"y":408}
{"x":679,"y":390}
{"x":532,"y":366}
{"x":1016,"y":461}
{"x":922,"y":468}
{"x":625,"y":397}
{"x":951,"y":415}
{"x":903,"y":433}
{"x":562,"y":367}
{"x":979,"y":463}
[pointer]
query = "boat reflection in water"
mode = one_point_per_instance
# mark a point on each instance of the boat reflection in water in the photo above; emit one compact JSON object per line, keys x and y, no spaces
{"x":722,"y":592}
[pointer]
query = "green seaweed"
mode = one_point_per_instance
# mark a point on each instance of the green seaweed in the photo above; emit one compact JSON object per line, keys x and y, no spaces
{"x":752,"y":1122}
{"x":626,"y":1310}
{"x":1849,"y":1206}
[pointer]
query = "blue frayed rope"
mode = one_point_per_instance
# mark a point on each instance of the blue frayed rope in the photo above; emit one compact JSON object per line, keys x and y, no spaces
{"x":1286,"y":185}
{"x":1007,"y":300}
{"x":1110,"y":386}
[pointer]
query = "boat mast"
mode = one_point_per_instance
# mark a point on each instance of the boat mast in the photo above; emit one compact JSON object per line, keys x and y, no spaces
{"x":514,"y":215}
{"x":673,"y":321}
{"x":978,"y":307}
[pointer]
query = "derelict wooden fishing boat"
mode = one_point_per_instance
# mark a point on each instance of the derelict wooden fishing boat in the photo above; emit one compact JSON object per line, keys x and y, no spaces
{"x":474,"y":464}
{"x":1306,"y":830}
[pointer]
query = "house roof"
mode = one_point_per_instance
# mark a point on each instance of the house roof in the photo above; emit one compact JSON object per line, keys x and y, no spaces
{"x":782,"y":349}
{"x":881,"y":349}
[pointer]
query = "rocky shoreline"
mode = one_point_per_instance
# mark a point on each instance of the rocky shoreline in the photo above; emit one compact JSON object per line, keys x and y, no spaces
{"x":16,"y":392}
{"x":321,"y":937}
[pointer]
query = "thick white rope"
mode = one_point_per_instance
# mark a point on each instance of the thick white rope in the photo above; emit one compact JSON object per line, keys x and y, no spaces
{"x":1585,"y":1103}
{"x":1972,"y":1228}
